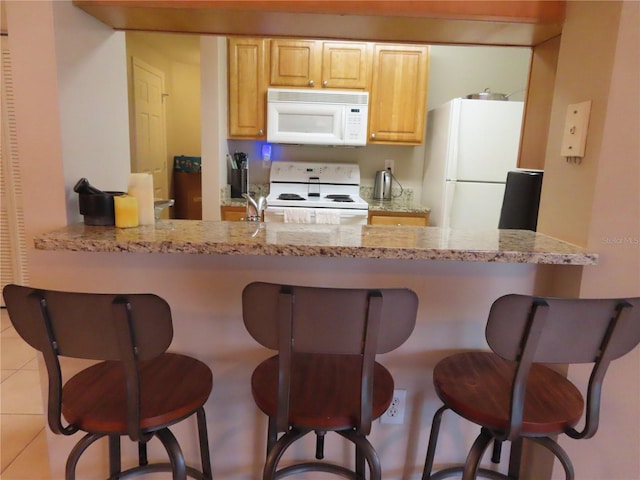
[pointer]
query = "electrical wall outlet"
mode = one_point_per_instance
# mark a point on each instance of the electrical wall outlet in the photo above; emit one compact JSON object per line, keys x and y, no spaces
{"x":395,"y":412}
{"x":574,"y":137}
{"x":388,"y":165}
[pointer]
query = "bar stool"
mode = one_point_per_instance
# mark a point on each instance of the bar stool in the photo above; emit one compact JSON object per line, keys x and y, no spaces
{"x":325,"y":377}
{"x":136,"y":389}
{"x":511,"y":396}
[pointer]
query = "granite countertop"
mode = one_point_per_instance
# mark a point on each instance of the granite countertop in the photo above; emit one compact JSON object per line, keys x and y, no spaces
{"x":401,"y":201}
{"x":309,"y":240}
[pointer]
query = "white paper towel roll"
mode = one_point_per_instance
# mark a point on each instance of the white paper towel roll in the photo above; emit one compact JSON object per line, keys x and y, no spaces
{"x":141,"y":187}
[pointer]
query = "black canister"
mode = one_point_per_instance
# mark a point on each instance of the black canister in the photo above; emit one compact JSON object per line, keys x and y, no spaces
{"x":521,"y":200}
{"x":98,"y":208}
{"x":96,"y":205}
{"x":238,"y":182}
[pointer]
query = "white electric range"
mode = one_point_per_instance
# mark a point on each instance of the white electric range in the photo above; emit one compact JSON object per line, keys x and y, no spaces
{"x":311,"y":192}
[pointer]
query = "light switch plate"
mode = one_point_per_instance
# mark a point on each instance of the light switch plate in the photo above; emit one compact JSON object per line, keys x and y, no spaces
{"x":574,"y":137}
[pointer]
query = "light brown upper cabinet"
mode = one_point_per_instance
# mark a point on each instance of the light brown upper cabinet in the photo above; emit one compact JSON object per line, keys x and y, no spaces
{"x":346,"y":65}
{"x":248,"y":68}
{"x":320,"y":64}
{"x":397,"y":104}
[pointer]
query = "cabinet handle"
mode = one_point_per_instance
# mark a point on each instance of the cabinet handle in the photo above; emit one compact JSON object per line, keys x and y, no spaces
{"x":311,"y":83}
{"x":325,"y":83}
{"x":260,"y":132}
{"x":373,"y":135}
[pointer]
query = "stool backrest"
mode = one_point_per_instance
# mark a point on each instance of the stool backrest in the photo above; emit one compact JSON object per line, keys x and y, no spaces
{"x":530,"y":330}
{"x":328,"y":321}
{"x":127,"y":328}
{"x":568,"y":330}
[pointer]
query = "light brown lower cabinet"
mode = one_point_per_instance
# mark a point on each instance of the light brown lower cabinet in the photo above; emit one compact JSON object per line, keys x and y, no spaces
{"x":399,"y":218}
{"x":237,"y":214}
{"x":232,"y":214}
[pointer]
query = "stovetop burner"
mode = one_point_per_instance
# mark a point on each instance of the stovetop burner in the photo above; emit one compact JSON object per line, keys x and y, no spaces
{"x":290,"y":196}
{"x":339,"y":198}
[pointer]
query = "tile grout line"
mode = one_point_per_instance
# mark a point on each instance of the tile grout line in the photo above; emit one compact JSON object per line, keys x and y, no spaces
{"x":23,"y":449}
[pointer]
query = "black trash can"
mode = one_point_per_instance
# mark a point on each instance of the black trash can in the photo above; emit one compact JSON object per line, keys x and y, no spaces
{"x":521,"y":200}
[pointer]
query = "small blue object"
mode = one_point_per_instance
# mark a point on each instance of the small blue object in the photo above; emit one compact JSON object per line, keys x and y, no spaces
{"x":266,"y":151}
{"x":182,"y":163}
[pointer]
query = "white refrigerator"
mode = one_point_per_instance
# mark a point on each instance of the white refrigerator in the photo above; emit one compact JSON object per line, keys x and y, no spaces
{"x":470,"y":146}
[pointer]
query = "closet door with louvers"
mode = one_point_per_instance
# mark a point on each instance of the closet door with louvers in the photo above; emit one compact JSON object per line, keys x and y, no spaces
{"x":12,"y":241}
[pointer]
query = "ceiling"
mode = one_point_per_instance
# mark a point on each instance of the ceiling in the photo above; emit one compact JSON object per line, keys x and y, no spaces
{"x":515,"y":23}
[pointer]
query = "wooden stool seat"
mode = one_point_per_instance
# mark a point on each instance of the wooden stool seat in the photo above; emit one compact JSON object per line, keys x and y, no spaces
{"x":477,"y":386}
{"x":172,"y":387}
{"x":323,"y":392}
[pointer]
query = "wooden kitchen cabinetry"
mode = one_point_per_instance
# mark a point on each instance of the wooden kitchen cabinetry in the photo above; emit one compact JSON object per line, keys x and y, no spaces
{"x":232,"y":214}
{"x":396,"y":76}
{"x":415,"y":219}
{"x":247,"y":69}
{"x":320,"y":64}
{"x":397,"y":104}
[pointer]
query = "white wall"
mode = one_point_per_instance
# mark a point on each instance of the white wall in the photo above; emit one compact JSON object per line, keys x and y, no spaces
{"x":183,"y":136}
{"x":456,"y":71}
{"x":213,"y":73}
{"x":92,"y":67}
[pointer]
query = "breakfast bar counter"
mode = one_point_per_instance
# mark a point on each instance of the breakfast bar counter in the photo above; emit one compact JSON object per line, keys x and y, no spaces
{"x":201,"y":268}
{"x":312,"y":240}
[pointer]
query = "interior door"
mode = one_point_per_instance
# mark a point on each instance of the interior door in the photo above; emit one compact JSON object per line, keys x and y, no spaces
{"x":150,"y":144}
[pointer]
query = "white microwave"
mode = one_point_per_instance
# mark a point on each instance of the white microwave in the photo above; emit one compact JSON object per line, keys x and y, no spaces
{"x":317,"y":117}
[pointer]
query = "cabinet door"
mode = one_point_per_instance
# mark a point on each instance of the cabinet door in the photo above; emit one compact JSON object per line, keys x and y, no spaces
{"x":397,"y":106}
{"x":392,"y":218}
{"x":346,"y":65}
{"x":295,"y":63}
{"x":232,"y":214}
{"x":247,"y":65}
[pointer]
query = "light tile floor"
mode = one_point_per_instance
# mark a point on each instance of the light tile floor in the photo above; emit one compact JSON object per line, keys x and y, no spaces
{"x":23,"y":446}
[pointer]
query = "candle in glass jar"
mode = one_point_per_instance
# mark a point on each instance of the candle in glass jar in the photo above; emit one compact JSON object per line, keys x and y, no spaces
{"x":126,"y":210}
